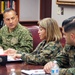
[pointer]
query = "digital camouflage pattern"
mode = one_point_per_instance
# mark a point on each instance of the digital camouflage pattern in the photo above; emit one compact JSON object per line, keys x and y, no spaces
{"x":66,"y":60}
{"x":43,"y":53}
{"x":20,"y":39}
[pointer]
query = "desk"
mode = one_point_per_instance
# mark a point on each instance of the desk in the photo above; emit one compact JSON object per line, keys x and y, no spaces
{"x":18,"y":66}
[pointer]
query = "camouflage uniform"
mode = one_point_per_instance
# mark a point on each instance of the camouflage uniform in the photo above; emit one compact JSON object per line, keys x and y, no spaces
{"x":0,"y":39}
{"x":20,"y":39}
{"x":66,"y":60}
{"x":43,"y":53}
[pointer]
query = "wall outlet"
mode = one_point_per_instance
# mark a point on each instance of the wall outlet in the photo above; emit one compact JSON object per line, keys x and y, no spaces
{"x":59,"y":11}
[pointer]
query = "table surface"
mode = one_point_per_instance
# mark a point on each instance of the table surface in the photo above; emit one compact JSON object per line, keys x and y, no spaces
{"x":18,"y":66}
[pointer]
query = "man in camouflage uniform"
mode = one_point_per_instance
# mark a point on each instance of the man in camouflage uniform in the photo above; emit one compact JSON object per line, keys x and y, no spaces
{"x":15,"y":37}
{"x":66,"y":59}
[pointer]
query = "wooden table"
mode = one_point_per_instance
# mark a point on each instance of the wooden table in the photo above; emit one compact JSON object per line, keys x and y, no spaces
{"x":18,"y":66}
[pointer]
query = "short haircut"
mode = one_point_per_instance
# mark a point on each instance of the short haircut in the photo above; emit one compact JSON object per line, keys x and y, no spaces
{"x":70,"y":26}
{"x":66,"y":21}
{"x":8,"y":10}
{"x":71,"y":17}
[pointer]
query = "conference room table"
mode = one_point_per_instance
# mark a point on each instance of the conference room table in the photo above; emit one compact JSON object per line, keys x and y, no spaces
{"x":18,"y":66}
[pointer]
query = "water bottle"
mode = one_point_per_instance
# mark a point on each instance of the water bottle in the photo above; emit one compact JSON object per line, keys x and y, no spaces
{"x":55,"y":69}
{"x":12,"y":72}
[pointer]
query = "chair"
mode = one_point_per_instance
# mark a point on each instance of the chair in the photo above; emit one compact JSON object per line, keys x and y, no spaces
{"x":63,"y":41}
{"x":34,"y":30}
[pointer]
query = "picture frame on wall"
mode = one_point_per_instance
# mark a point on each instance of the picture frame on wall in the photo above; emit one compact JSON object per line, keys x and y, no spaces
{"x":65,"y":2}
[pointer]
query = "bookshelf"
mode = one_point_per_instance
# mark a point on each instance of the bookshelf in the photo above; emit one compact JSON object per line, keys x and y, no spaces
{"x":8,"y":4}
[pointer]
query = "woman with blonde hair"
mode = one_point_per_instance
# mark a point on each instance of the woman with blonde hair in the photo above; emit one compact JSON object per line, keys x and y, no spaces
{"x":49,"y":33}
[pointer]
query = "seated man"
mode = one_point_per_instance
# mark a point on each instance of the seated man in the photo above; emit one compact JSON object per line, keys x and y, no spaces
{"x":14,"y":37}
{"x":66,"y":59}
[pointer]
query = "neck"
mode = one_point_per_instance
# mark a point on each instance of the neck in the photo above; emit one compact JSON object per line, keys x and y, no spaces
{"x":10,"y":30}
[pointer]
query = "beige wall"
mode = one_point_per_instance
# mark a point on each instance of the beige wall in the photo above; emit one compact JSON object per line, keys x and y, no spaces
{"x":29,"y":10}
{"x":68,"y":12}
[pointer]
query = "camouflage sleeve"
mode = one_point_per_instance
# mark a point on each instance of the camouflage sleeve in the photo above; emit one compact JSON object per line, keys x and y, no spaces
{"x":44,"y":56}
{"x":67,"y":71}
{"x":26,"y":42}
{"x":62,"y":59}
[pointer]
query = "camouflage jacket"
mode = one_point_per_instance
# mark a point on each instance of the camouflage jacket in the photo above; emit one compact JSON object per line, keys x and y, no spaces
{"x":66,"y":60}
{"x":20,"y":39}
{"x":43,"y":53}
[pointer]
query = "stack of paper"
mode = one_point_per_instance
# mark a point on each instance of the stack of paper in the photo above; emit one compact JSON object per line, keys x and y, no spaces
{"x":10,"y":58}
{"x":1,"y":51}
{"x":34,"y":72}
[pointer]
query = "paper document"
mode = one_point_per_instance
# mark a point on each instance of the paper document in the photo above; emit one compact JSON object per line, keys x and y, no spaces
{"x":34,"y":72}
{"x":10,"y":58}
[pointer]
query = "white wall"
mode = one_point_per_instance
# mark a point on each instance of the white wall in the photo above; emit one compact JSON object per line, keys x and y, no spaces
{"x":68,"y":12}
{"x":29,"y":10}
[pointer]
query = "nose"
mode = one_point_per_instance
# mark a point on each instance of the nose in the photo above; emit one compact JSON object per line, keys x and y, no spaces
{"x":10,"y":20}
{"x":38,"y":31}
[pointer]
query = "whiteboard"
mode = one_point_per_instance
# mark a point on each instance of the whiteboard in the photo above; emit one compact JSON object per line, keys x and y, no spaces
{"x":29,"y":10}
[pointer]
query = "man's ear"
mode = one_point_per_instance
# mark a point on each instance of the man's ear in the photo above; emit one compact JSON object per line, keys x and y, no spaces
{"x":72,"y":36}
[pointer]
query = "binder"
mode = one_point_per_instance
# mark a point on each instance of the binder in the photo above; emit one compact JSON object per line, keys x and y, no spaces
{"x":11,"y":1}
{"x":2,"y":6}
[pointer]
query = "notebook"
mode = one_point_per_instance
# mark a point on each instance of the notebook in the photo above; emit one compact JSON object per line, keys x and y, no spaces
{"x":11,"y":59}
{"x":34,"y":72}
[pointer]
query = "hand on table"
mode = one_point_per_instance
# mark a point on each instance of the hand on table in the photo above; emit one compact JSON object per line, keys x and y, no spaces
{"x":17,"y":56}
{"x":10,"y":51}
{"x":48,"y":66}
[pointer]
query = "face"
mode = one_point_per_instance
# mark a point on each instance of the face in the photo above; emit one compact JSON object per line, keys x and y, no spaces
{"x":70,"y":38}
{"x":11,"y":19}
{"x":42,"y":33}
{"x":67,"y":38}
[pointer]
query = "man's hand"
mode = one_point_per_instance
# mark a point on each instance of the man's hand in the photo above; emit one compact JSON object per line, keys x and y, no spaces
{"x":48,"y":66}
{"x":10,"y":51}
{"x":17,"y":56}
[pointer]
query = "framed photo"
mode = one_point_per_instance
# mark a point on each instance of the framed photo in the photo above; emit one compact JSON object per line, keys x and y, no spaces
{"x":65,"y":2}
